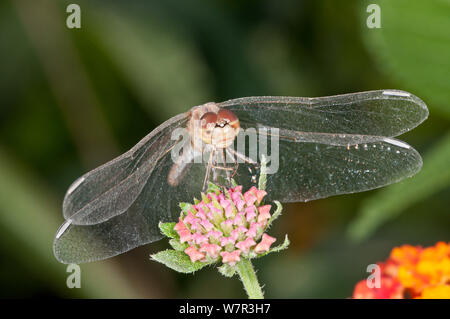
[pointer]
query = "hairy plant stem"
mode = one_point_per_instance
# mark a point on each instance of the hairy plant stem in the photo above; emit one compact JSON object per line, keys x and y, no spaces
{"x":248,"y":277}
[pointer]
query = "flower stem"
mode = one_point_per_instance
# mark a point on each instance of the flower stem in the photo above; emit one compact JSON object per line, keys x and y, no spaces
{"x":249,"y":279}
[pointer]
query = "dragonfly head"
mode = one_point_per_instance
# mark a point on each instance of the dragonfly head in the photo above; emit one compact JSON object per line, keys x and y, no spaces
{"x":219,"y":129}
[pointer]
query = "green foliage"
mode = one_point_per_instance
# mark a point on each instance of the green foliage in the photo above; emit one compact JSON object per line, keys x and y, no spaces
{"x":25,"y":203}
{"x":178,"y":261}
{"x":167,"y":229}
{"x":413,"y":47}
{"x":185,"y":207}
{"x":175,"y":243}
{"x":276,"y":214}
{"x":263,"y":174}
{"x":213,"y":188}
{"x":161,"y":65}
{"x":227,"y":270}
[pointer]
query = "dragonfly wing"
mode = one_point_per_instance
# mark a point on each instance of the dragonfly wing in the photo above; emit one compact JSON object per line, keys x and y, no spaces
{"x":379,"y":113}
{"x":138,"y":224}
{"x":316,"y":167}
{"x":111,"y":189}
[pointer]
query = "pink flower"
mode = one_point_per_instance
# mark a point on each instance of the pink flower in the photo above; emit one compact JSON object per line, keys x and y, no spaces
{"x":189,"y":218}
{"x":250,"y":213}
{"x":211,"y":206}
{"x":246,"y":244}
{"x":207,"y":224}
{"x":235,"y":197}
{"x":225,"y":203}
{"x":264,"y":213}
{"x":195,"y":225}
{"x":212,"y":196}
{"x":194,"y":254}
{"x":253,"y":230}
{"x":238,"y":231}
{"x":199,"y":238}
{"x":231,"y":257}
{"x":211,"y":249}
{"x":238,"y":201}
{"x":214,"y":233}
{"x":249,"y":198}
{"x":264,"y":244}
{"x":239,"y":204}
{"x":226,"y":224}
{"x":227,"y":240}
{"x":260,"y":195}
{"x":185,"y":235}
{"x":239,"y":220}
{"x":201,"y":210}
{"x":229,"y":211}
{"x":237,"y":189}
{"x":179,"y":226}
{"x":201,"y":214}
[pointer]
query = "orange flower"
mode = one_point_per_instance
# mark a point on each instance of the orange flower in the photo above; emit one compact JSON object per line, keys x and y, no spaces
{"x":413,"y":271}
{"x":390,"y":288}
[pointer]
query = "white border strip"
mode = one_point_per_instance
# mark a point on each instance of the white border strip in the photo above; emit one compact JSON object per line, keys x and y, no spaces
{"x":396,"y":143}
{"x":75,"y":185}
{"x":63,"y":228}
{"x":396,"y":93}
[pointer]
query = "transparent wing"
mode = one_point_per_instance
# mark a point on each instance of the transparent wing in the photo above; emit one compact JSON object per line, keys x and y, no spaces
{"x":138,"y":224}
{"x":380,"y":113}
{"x":112,"y":188}
{"x":322,"y":165}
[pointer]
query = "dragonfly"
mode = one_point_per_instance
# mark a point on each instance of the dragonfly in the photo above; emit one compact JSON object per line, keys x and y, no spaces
{"x":326,"y":146}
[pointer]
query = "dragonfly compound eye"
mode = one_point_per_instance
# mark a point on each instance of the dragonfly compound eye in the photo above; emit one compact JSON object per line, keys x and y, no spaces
{"x":226,"y":129}
{"x":208,"y":121}
{"x":227,"y":117}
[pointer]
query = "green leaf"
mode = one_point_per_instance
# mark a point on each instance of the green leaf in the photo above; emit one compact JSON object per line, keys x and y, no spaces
{"x":392,"y":200}
{"x":413,"y":46}
{"x":227,"y":270}
{"x":175,"y":243}
{"x":185,"y":207}
{"x":178,"y":261}
{"x":205,"y":198}
{"x":167,"y":229}
{"x":213,"y":188}
{"x":276,"y":214}
{"x":263,"y":175}
{"x":278,"y":248}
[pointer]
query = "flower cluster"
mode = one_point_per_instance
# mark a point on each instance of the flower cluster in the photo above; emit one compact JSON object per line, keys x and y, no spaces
{"x":226,"y":225}
{"x":412,"y":271}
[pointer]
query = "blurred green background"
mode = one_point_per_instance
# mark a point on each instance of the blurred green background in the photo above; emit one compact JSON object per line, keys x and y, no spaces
{"x":72,"y":99}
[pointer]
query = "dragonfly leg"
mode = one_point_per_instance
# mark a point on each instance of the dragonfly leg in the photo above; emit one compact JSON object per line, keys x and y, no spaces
{"x":223,"y":167}
{"x":235,"y":162}
{"x":208,"y":170}
{"x":227,"y":172}
{"x":242,"y":157}
{"x":215,"y":166}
